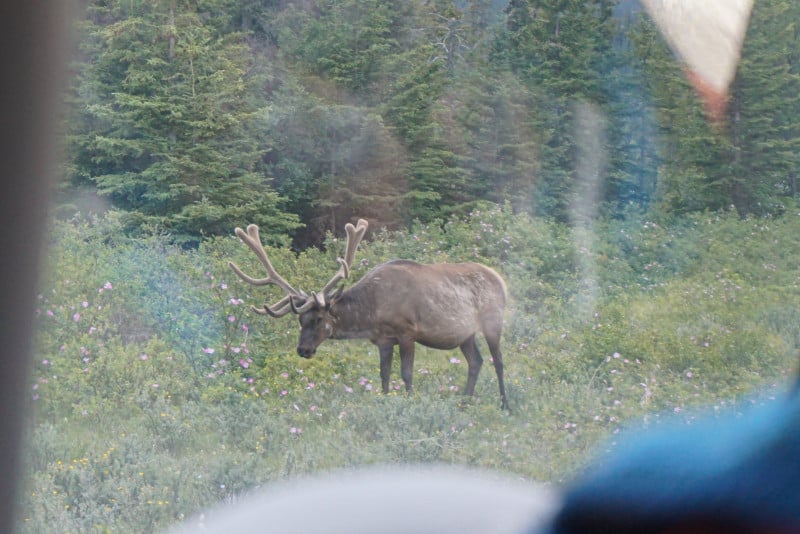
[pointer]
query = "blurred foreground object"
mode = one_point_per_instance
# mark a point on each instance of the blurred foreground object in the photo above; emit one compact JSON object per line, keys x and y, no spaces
{"x":437,"y":500}
{"x":708,"y":36}
{"x":34,"y":44}
{"x":735,"y":474}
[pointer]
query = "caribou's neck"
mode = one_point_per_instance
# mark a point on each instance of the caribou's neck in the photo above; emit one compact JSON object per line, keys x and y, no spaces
{"x":352,"y":320}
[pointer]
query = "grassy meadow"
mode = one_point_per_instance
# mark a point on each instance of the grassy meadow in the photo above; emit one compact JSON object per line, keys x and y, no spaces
{"x":155,"y":392}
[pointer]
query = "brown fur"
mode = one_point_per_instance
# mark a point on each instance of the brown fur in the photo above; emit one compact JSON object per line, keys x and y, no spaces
{"x":402,"y":302}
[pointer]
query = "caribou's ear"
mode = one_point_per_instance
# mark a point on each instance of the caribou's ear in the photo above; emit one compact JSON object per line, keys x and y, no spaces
{"x":335,"y":296}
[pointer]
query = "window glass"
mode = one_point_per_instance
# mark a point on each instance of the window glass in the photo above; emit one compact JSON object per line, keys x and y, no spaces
{"x":632,"y":206}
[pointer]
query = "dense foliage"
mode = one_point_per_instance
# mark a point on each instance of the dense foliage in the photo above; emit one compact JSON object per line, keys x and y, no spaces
{"x":156,"y":393}
{"x":193,"y":117}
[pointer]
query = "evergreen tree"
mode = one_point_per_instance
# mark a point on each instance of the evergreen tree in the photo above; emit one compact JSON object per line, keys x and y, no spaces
{"x":750,"y":162}
{"x":688,"y":159}
{"x":335,"y":162}
{"x":410,"y":109}
{"x":194,"y":117}
{"x":492,"y":129}
{"x":633,"y":158}
{"x":423,"y":105}
{"x":349,"y":42}
{"x":559,"y":49}
{"x":763,"y":135}
{"x":166,"y":125}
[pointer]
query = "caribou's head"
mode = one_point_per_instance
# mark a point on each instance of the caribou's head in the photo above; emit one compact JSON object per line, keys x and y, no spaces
{"x":314,"y":310}
{"x":316,"y":324}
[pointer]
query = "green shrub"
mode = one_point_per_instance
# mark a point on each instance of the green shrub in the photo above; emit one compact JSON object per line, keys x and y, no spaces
{"x":155,"y":392}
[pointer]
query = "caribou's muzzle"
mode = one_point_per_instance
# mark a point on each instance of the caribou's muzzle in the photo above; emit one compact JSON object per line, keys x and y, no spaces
{"x":305,"y":352}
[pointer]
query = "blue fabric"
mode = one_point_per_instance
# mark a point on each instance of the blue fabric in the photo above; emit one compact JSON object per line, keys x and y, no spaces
{"x":735,"y":473}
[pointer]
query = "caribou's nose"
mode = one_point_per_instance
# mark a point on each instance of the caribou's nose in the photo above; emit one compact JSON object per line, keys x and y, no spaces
{"x":305,"y":352}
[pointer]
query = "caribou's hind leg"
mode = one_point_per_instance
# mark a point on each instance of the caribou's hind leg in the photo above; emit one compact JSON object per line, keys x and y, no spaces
{"x":407,"y":361}
{"x":492,"y":328}
{"x":497,"y":359}
{"x":474,"y":361}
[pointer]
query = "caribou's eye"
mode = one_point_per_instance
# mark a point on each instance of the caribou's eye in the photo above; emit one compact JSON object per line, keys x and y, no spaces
{"x":311,"y":322}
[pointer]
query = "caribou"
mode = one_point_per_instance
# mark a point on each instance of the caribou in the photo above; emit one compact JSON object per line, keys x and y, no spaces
{"x":401,"y":302}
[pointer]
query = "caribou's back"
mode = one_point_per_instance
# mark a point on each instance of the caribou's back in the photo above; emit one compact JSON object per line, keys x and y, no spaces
{"x":438,"y":305}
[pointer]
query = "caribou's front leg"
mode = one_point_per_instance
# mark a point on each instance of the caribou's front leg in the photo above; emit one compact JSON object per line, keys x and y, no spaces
{"x":386,"y":351}
{"x":407,"y":361}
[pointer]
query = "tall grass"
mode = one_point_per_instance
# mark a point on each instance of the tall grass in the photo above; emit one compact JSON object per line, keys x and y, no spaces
{"x":155,"y":393}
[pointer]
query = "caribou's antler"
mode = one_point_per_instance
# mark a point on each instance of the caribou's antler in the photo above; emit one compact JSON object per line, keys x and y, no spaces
{"x":286,"y":304}
{"x":354,"y":236}
{"x":297,"y":301}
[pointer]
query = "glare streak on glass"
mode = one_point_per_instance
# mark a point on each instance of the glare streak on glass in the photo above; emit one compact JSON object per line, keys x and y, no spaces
{"x":590,"y":161}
